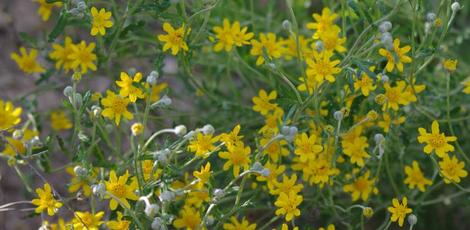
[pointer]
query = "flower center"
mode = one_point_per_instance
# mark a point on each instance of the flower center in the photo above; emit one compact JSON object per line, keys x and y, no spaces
{"x":436,"y":140}
{"x":118,"y":190}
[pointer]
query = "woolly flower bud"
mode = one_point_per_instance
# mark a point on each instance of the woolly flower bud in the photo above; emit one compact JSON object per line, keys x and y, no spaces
{"x":167,"y":196}
{"x":372,"y":115}
{"x":338,"y":115}
{"x":35,"y":142}
{"x":387,"y":40}
{"x":412,"y":219}
{"x":152,"y":78}
{"x":380,"y":99}
{"x":385,"y":26}
{"x":430,"y":17}
{"x":165,"y":100}
{"x":367,"y":212}
{"x":98,"y":190}
{"x":384,"y":78}
{"x":455,"y":6}
{"x":289,"y":132}
{"x":257,"y":167}
{"x":80,"y":171}
{"x":180,"y":130}
{"x":319,"y":46}
{"x":78,"y":99}
{"x":208,"y":129}
{"x":17,"y":134}
{"x":68,"y":91}
{"x":137,"y":128}
{"x":286,"y":25}
{"x":162,"y":155}
{"x":218,"y":193}
{"x":96,"y":110}
{"x":210,"y":220}
{"x":378,"y":138}
{"x":157,"y":224}
{"x":265,"y":172}
{"x":151,"y":210}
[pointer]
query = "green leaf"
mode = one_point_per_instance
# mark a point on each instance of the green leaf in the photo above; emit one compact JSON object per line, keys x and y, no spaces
{"x":27,"y":39}
{"x":59,"y":26}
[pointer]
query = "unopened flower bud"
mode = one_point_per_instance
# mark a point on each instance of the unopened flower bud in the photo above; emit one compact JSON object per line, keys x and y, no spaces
{"x":218,"y":193}
{"x":17,"y":134}
{"x":165,"y":100}
{"x":35,"y":142}
{"x":372,"y":115}
{"x":257,"y":167}
{"x":367,"y":212}
{"x":167,"y":196}
{"x":380,"y":99}
{"x":385,"y":26}
{"x":151,"y":210}
{"x":319,"y":46}
{"x":387,"y":40}
{"x":96,"y":110}
{"x":157,"y":224}
{"x":286,"y":25}
{"x":162,"y":155}
{"x":68,"y":91}
{"x":378,"y":138}
{"x":210,"y":220}
{"x":208,"y":129}
{"x":80,"y":171}
{"x":137,"y":128}
{"x":430,"y":17}
{"x":99,"y":190}
{"x":455,"y":6}
{"x":180,"y":130}
{"x":265,"y":172}
{"x":78,"y":99}
{"x":338,"y":115}
{"x":412,"y":219}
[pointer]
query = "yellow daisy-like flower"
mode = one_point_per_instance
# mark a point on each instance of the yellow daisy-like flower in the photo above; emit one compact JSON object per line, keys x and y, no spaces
{"x":356,"y":150}
{"x":27,"y":61}
{"x":129,"y":88}
{"x":237,"y":225}
{"x":287,"y":184}
{"x":60,"y":121}
{"x":450,"y":65}
{"x":202,"y":144}
{"x":156,"y":90}
{"x":238,"y":156}
{"x":100,"y":21}
{"x":189,"y":218}
{"x":87,"y":220}
{"x":119,"y":189}
{"x":452,"y":169}
{"x":204,"y":174}
{"x":83,"y":56}
{"x":115,"y":107}
{"x":323,"y":23}
{"x":307,"y":147}
{"x":276,"y":149}
{"x":231,"y":34}
{"x":321,"y":67}
{"x":119,"y":223}
{"x":61,"y":54}
{"x":332,"y":41}
{"x":267,"y":43}
{"x":436,"y":141}
{"x":362,"y":187}
{"x":45,"y":9}
{"x":232,"y":137}
{"x":387,"y":122}
{"x":148,"y":170}
{"x":80,"y":181}
{"x":14,"y":146}
{"x":466,"y":89}
{"x":365,"y":83}
{"x":396,"y":96}
{"x":262,"y":102}
{"x":174,"y":39}
{"x":287,"y":204}
{"x":9,"y":115}
{"x":399,"y":211}
{"x":415,"y":178}
{"x":398,"y":58}
{"x":46,"y":201}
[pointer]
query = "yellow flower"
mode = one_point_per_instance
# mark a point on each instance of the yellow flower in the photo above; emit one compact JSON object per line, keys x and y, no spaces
{"x":148,"y":170}
{"x":232,"y":137}
{"x":229,"y":35}
{"x":415,"y":178}
{"x":436,"y":140}
{"x":396,"y":96}
{"x":237,"y":225}
{"x":291,"y":47}
{"x":321,"y":68}
{"x":14,"y":146}
{"x":287,"y":204}
{"x":87,"y":220}
{"x":137,"y":128}
{"x":276,"y":149}
{"x":362,"y":187}
{"x":272,"y":120}
{"x":83,"y":56}
{"x":204,"y":174}
{"x":262,"y":102}
{"x":399,"y":211}
{"x":387,"y":121}
{"x":306,"y":147}
{"x":60,"y":121}
{"x":156,"y":90}
{"x":129,"y":88}
{"x":466,"y":89}
{"x":189,"y":218}
{"x":80,"y":181}
{"x":119,"y":189}
{"x":45,"y":8}
{"x":46,"y":201}
{"x":267,"y":43}
{"x":61,"y":54}
{"x":274,"y":172}
{"x":365,"y":83}
{"x":27,"y":62}
{"x":237,"y":156}
{"x":202,"y":144}
{"x":452,"y":169}
{"x":174,"y":38}
{"x":287,"y":185}
{"x":9,"y":115}
{"x":450,"y":65}
{"x":356,"y":150}
{"x":115,"y":106}
{"x":286,"y":227}
{"x":329,"y":227}
{"x":324,"y":22}
{"x":397,"y":58}
{"x":319,"y":171}
{"x":332,"y":41}
{"x":119,"y":223}
{"x":100,"y":21}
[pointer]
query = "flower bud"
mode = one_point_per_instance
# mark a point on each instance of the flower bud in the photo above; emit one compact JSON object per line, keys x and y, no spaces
{"x":99,"y":190}
{"x":68,"y":91}
{"x":372,"y":115}
{"x":157,"y":224}
{"x":430,"y":17}
{"x":378,"y":138}
{"x":265,"y":172}
{"x":455,"y":6}
{"x":17,"y":134}
{"x":96,"y":110}
{"x":208,"y":129}
{"x":338,"y":115}
{"x":286,"y":25}
{"x":319,"y":46}
{"x":257,"y":167}
{"x":80,"y":171}
{"x":384,"y":78}
{"x":137,"y":128}
{"x":387,"y":40}
{"x":210,"y":221}
{"x":152,"y":78}
{"x":380,"y":99}
{"x":35,"y":142}
{"x":180,"y":130}
{"x":218,"y":193}
{"x":385,"y":26}
{"x":167,"y":196}
{"x":151,"y":210}
{"x":162,"y":155}
{"x":367,"y":212}
{"x":78,"y":99}
{"x":412,"y":219}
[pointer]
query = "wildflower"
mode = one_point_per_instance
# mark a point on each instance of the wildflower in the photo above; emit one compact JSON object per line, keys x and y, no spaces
{"x":269,"y":44}
{"x":237,"y":157}
{"x":286,"y":227}
{"x":229,"y":35}
{"x":61,"y":54}
{"x":14,"y":146}
{"x":276,"y":149}
{"x":321,"y":67}
{"x":9,"y":115}
{"x":262,"y":103}
{"x":450,"y":65}
{"x":27,"y":62}
{"x":156,"y":90}
{"x":415,"y":178}
{"x":119,"y":189}
{"x":329,"y":227}
{"x":46,"y":200}
{"x":202,"y":144}
{"x":45,"y":8}
{"x":367,"y":212}
{"x":174,"y":38}
{"x":395,"y":96}
{"x":332,"y":41}
{"x":452,"y":169}
{"x":137,"y":128}
{"x":387,"y":121}
{"x":291,"y":47}
{"x":365,"y":83}
{"x":189,"y":218}
{"x":129,"y":88}
{"x":83,"y":56}
{"x":323,"y":23}
{"x":237,"y":225}
{"x":399,"y":211}
{"x":436,"y":140}
{"x":287,"y":184}
{"x":60,"y":121}
{"x":274,"y":172}
{"x":271,"y":121}
{"x":115,"y":107}
{"x":466,"y":89}
{"x":362,"y":187}
{"x":356,"y":150}
{"x":80,"y":182}
{"x":320,"y":171}
{"x":148,"y":170}
{"x":398,"y":58}
{"x":232,"y":137}
{"x":87,"y":220}
{"x":100,"y":21}
{"x":204,"y":174}
{"x":306,"y":147}
{"x":119,"y":223}
{"x":287,"y":204}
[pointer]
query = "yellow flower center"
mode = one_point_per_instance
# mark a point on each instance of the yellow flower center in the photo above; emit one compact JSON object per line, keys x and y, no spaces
{"x":118,"y":190}
{"x":436,"y":140}
{"x":119,"y":106}
{"x":361,"y":185}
